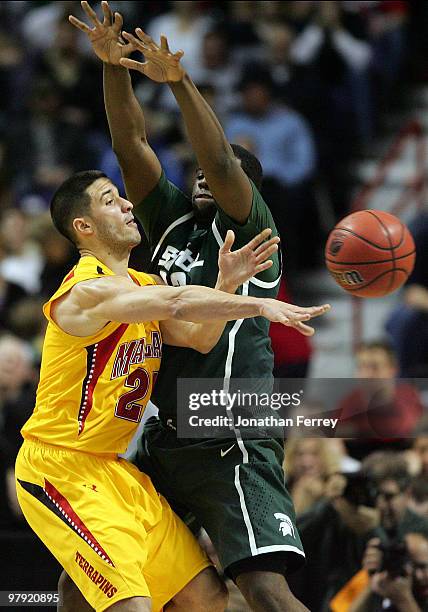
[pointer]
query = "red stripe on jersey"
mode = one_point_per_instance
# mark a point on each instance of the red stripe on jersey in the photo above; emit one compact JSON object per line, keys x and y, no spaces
{"x":67,"y":278}
{"x":75,"y":521}
{"x":98,"y":356}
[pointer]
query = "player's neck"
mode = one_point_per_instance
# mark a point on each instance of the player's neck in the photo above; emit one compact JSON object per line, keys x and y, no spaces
{"x":116,"y":262}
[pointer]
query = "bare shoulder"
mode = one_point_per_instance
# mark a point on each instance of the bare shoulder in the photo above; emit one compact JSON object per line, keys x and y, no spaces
{"x":88,"y":294}
{"x":73,"y":312}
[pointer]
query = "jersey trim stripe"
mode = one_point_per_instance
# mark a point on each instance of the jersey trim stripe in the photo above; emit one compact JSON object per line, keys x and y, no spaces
{"x":253,"y":279}
{"x":58,"y":504}
{"x":265,"y":284}
{"x":97,"y":359}
{"x":169,"y":229}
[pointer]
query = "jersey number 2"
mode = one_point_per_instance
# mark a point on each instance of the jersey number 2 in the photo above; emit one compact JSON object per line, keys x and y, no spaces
{"x":127,"y":407}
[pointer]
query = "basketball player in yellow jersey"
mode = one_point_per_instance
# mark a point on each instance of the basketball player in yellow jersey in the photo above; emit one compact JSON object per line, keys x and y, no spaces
{"x":115,"y":536}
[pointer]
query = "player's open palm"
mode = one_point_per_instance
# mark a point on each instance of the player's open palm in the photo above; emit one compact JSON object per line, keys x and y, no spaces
{"x":161,"y":64}
{"x":105,"y":37}
{"x":236,"y":267}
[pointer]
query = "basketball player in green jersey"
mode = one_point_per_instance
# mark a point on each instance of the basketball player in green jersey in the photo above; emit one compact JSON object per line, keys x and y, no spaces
{"x":234,"y":488}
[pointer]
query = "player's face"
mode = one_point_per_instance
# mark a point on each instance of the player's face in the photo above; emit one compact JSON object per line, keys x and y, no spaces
{"x":202,"y":199}
{"x":113,"y":219}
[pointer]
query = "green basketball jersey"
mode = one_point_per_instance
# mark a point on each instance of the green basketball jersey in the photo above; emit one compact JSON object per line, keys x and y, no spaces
{"x":183,"y":252}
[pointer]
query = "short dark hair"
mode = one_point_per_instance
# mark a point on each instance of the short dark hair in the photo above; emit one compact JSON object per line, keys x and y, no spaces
{"x":250,"y":164}
{"x":379,"y":345}
{"x":388,"y":465}
{"x":71,"y":200}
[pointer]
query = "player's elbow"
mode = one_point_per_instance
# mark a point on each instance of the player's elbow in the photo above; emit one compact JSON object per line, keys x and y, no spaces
{"x":127,"y":146}
{"x":204,"y":346}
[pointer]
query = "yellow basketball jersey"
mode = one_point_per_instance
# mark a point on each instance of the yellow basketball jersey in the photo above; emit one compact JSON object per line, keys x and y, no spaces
{"x":93,"y":390}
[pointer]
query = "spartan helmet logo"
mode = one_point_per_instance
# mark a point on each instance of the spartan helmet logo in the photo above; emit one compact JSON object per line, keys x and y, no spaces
{"x":335,"y":246}
{"x":286,"y":526}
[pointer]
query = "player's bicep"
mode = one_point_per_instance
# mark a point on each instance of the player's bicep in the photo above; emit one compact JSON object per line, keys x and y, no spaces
{"x":141,"y":170}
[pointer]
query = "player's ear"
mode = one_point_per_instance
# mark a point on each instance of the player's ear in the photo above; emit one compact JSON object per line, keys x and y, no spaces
{"x":83,"y":226}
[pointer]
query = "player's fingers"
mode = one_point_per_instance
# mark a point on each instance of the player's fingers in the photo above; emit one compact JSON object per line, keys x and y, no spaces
{"x":228,"y":241}
{"x":266,"y":253}
{"x":79,"y":24}
{"x":108,"y":15}
{"x":90,"y":13}
{"x":264,"y":266}
{"x":132,"y":64}
{"x":283,"y":319}
{"x":266,"y":245}
{"x":261,"y":237}
{"x":306,"y":330}
{"x":298,"y":316}
{"x":164,"y":43}
{"x":316,"y":311}
{"x":268,"y":248}
{"x":148,"y":40}
{"x":179,"y":54}
{"x":118,"y":22}
{"x":135,"y":42}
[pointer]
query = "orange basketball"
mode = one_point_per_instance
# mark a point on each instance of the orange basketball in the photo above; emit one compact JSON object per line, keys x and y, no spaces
{"x":370,"y":253}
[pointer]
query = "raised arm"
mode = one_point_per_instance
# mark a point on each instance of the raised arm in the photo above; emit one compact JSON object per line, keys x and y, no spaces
{"x":227,"y":181}
{"x":140,"y":167}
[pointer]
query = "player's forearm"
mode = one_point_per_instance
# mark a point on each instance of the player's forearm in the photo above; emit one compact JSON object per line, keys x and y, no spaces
{"x":206,"y":135}
{"x":191,"y":303}
{"x":124,"y":113}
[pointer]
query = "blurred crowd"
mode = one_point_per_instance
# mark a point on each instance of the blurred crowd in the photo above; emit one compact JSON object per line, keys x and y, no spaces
{"x":303,"y":85}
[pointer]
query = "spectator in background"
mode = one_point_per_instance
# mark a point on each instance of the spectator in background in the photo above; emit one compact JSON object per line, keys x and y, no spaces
{"x":219,"y":70}
{"x":22,"y":261}
{"x":283,"y":142}
{"x":10,"y":295}
{"x":392,"y":480}
{"x":333,"y":44}
{"x":57,"y":253}
{"x":308,"y":464}
{"x":38,"y":24}
{"x":380,"y":406}
{"x":17,"y":396}
{"x":74,"y":75}
{"x":14,"y":76}
{"x":185,"y":27}
{"x":406,"y":592}
{"x":408,"y":323}
{"x":45,"y":146}
{"x":335,"y":531}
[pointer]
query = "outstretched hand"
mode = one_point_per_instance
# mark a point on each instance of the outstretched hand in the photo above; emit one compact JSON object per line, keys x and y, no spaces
{"x":291,"y":315}
{"x":105,"y":37}
{"x":237,"y":267}
{"x":161,"y":64}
